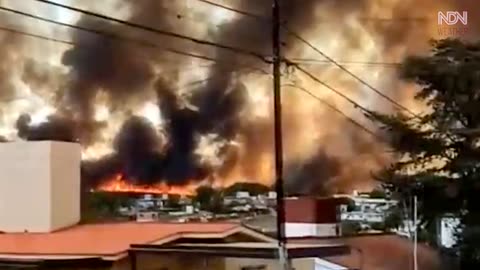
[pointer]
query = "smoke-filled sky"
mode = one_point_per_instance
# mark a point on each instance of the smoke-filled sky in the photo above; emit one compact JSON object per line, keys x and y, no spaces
{"x":157,"y":116}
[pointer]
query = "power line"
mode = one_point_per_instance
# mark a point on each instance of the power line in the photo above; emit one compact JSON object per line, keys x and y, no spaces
{"x":307,"y":61}
{"x":70,"y":43}
{"x":105,"y":34}
{"x":334,"y":108}
{"x":297,"y":36}
{"x":349,"y":72}
{"x":19,"y":32}
{"x":179,"y":52}
{"x":260,"y":17}
{"x":159,"y":31}
{"x":14,"y":31}
{"x":350,"y":100}
{"x":245,"y":13}
{"x":110,"y":35}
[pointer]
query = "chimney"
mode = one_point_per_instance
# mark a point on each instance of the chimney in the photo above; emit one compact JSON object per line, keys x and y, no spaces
{"x":313,"y":217}
{"x":39,"y":186}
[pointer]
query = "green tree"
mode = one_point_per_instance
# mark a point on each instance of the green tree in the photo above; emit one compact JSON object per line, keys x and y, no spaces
{"x":173,"y":201}
{"x":252,"y":188}
{"x":438,"y":151}
{"x":394,"y":219}
{"x":209,"y":199}
{"x":350,"y":228}
{"x":103,"y":206}
{"x":378,"y":194}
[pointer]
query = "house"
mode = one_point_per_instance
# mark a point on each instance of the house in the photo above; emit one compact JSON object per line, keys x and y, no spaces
{"x":43,"y":231}
{"x":380,"y":252}
{"x":135,"y":245}
{"x":313,"y":217}
{"x":314,"y":221}
{"x":304,"y":217}
{"x":366,"y":210}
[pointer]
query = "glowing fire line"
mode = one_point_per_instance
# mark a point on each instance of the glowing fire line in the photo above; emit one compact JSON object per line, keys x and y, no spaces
{"x":120,"y":184}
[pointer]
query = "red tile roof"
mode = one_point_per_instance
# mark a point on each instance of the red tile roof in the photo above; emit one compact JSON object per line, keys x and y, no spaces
{"x":100,"y":239}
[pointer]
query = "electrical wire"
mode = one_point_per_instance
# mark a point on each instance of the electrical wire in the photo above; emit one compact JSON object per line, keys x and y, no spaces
{"x":70,"y":43}
{"x":159,"y":31}
{"x":15,"y":31}
{"x":19,"y":32}
{"x":307,"y":61}
{"x":334,"y":108}
{"x":350,"y":100}
{"x":299,"y":37}
{"x":109,"y":35}
{"x":245,"y":13}
{"x":260,"y":17}
{"x":362,"y":81}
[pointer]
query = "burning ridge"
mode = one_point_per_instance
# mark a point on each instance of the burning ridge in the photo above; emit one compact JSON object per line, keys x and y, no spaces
{"x":220,"y":129}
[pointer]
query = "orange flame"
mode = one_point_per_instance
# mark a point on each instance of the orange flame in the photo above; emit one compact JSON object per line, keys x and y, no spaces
{"x":119,"y":184}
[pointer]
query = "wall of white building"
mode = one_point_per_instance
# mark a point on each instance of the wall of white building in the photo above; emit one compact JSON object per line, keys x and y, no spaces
{"x":311,"y":230}
{"x":39,"y":186}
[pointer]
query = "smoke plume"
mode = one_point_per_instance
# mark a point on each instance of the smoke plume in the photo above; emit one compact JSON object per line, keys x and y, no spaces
{"x":156,"y":116}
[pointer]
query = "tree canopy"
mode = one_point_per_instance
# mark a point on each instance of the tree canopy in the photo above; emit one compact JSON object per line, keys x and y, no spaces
{"x":209,"y":199}
{"x":438,"y":151}
{"x":252,"y":188}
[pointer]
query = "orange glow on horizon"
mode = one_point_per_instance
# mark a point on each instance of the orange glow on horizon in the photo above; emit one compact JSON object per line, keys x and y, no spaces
{"x":119,"y":184}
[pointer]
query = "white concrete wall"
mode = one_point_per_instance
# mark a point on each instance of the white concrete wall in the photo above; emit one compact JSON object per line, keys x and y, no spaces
{"x":65,"y":184}
{"x":310,"y":229}
{"x":39,"y":186}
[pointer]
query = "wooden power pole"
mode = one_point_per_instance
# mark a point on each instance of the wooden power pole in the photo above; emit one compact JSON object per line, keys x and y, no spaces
{"x":279,"y":187}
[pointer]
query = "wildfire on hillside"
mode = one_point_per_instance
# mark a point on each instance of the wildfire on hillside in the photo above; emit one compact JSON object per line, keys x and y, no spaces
{"x":120,"y":184}
{"x":153,"y":114}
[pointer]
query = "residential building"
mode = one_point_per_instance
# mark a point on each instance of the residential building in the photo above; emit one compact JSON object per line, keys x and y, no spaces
{"x":447,"y":228}
{"x":313,"y":217}
{"x":368,"y":251}
{"x":39,"y":186}
{"x":46,"y":235}
{"x":366,"y":210}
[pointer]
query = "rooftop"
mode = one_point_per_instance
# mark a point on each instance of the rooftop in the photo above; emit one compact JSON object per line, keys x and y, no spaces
{"x":375,"y":252}
{"x":103,"y":239}
{"x":264,"y":250}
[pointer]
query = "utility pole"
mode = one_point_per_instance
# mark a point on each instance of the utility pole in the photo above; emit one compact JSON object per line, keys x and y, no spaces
{"x":279,"y":188}
{"x":415,"y":233}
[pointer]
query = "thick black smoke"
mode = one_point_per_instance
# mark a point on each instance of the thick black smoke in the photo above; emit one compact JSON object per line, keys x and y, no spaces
{"x":55,"y":128}
{"x":313,"y":175}
{"x":215,"y":108}
{"x":125,"y":71}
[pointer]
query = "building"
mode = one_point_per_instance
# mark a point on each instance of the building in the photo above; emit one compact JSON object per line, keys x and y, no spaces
{"x":313,"y":217}
{"x":447,"y":228}
{"x":151,"y":246}
{"x":366,"y":210}
{"x":380,"y":252}
{"x":45,"y":233}
{"x":39,"y":186}
{"x":368,"y":251}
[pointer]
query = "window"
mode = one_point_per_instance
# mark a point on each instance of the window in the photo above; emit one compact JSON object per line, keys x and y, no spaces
{"x":255,"y":267}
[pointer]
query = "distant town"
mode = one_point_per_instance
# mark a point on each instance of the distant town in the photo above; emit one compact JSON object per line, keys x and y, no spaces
{"x":254,"y":205}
